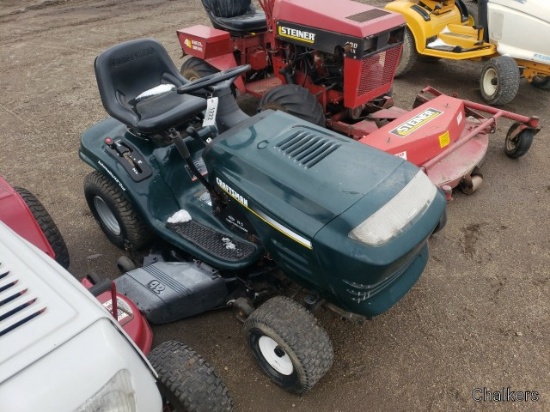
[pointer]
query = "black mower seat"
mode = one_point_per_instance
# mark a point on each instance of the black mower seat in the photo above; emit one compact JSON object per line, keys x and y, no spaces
{"x":235,"y":16}
{"x":137,"y":82}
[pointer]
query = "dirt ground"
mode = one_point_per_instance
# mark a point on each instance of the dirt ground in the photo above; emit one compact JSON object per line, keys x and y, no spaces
{"x":478,"y":317}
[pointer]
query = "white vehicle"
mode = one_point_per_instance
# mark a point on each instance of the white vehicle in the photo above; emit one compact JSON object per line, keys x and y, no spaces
{"x":60,"y":350}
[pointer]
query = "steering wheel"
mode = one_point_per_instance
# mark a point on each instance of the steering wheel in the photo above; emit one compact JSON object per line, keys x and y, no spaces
{"x":214,"y":78}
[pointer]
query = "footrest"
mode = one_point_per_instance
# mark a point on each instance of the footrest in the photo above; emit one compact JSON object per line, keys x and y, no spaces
{"x":216,"y":243}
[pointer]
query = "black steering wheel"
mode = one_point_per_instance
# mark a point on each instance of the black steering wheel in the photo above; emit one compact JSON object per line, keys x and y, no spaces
{"x":214,"y":78}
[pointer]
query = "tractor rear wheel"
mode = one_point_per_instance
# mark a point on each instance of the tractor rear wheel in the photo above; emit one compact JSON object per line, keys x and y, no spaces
{"x":499,"y":80}
{"x":195,"y":68}
{"x":291,"y":348}
{"x":409,"y":55}
{"x":294,"y":100}
{"x":517,"y":146}
{"x":47,"y":225}
{"x":114,"y":213}
{"x":186,"y":381}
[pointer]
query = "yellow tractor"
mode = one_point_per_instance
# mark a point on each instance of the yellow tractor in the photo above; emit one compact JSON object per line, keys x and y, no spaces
{"x":510,"y":36}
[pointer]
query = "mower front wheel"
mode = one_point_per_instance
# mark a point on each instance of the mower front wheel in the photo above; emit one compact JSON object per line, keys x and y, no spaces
{"x":114,"y":213}
{"x":294,"y":100}
{"x":186,"y":381}
{"x":517,"y":146}
{"x":499,"y":80}
{"x":409,"y":55}
{"x":291,"y":348}
{"x":47,"y":225}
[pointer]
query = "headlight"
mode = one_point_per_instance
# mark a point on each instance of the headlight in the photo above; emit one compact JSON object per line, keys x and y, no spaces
{"x":117,"y":395}
{"x":392,"y":218}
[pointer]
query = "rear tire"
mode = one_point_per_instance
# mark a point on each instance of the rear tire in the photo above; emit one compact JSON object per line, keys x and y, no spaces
{"x":291,"y":348}
{"x":114,"y":213}
{"x":409,"y":55}
{"x":294,"y":100}
{"x":195,"y":68}
{"x":47,"y":225}
{"x":186,"y":381}
{"x":499,"y":80}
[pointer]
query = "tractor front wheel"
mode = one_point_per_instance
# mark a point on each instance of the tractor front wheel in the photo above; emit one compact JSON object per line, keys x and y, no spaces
{"x":409,"y":55}
{"x":186,"y":381}
{"x":541,"y":82}
{"x":499,"y":80}
{"x":291,"y":348}
{"x":517,"y":146}
{"x":294,"y":100}
{"x":114,"y":213}
{"x":47,"y":225}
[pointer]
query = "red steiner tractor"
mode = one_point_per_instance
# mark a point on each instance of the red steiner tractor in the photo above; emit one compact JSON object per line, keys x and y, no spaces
{"x":333,"y":63}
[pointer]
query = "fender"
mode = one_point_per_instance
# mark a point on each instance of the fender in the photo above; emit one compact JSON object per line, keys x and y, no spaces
{"x":211,"y":45}
{"x":422,"y":24}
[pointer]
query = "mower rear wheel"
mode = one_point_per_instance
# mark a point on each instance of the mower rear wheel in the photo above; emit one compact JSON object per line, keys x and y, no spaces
{"x":409,"y":55}
{"x":47,"y":225}
{"x":114,"y":213}
{"x":291,"y":348}
{"x":541,"y":82}
{"x":517,"y":146}
{"x":186,"y":381}
{"x":195,"y":68}
{"x":294,"y":100}
{"x":499,"y":80}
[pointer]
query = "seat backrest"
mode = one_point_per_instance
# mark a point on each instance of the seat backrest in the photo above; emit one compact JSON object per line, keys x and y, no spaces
{"x":126,"y":70}
{"x":227,"y":8}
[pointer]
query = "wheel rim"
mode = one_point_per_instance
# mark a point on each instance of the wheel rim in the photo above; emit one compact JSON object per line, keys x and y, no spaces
{"x":106,"y":215}
{"x":511,"y":144}
{"x":275,"y":356}
{"x":490,"y":82}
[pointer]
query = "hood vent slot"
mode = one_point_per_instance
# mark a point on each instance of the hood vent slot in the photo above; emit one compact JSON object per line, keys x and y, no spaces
{"x":306,"y":148}
{"x":368,"y":15}
{"x":17,"y":305}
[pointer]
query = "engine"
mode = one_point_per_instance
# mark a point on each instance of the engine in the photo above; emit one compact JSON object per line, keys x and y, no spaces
{"x":332,"y":41}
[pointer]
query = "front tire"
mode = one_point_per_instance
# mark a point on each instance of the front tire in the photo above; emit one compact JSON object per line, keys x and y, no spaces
{"x":291,"y":348}
{"x":47,"y":225}
{"x":114,"y":213}
{"x":294,"y":100}
{"x":541,"y":82}
{"x":519,"y":145}
{"x":499,"y":80}
{"x":186,"y":381}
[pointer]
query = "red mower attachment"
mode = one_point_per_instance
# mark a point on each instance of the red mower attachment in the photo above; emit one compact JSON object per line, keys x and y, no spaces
{"x":448,"y":137}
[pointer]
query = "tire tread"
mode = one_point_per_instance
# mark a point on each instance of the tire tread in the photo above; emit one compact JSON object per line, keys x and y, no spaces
{"x":47,"y":225}
{"x":298,"y":328}
{"x":189,"y":378}
{"x":134,"y":230}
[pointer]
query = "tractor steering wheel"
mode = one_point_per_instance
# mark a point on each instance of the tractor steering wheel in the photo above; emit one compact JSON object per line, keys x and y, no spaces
{"x":214,"y":78}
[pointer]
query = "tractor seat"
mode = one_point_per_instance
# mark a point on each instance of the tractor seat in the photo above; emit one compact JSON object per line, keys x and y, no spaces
{"x":137,"y":83}
{"x":235,"y":16}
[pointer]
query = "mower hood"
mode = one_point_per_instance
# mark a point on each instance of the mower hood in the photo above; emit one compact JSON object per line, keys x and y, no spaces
{"x":346,"y":17}
{"x":277,"y":165}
